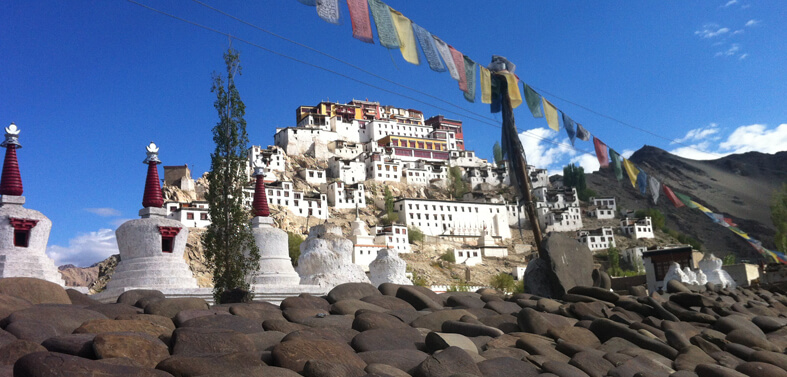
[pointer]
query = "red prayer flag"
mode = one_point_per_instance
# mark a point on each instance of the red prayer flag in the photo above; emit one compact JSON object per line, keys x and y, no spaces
{"x":601,"y":152}
{"x":459,"y":61}
{"x":671,"y":196}
{"x":359,"y":15}
{"x":729,"y":221}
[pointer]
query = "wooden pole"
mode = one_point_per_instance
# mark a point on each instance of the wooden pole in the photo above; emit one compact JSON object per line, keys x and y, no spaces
{"x":519,"y":167}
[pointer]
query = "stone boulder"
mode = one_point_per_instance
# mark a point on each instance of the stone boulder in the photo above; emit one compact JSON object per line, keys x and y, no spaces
{"x":293,"y":354}
{"x":326,"y":258}
{"x":146,"y":350}
{"x":570,"y":264}
{"x":36,"y":291}
{"x":52,"y":364}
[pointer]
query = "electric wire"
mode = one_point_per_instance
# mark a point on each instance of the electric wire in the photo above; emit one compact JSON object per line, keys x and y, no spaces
{"x":523,"y":132}
{"x":427,"y":94}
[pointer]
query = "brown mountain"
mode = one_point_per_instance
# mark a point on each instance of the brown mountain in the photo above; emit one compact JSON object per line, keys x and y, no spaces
{"x":739,"y":186}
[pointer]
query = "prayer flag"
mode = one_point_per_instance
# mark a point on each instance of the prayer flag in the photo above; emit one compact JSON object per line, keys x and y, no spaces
{"x":615,"y":158}
{"x":428,"y":47}
{"x":497,"y":97}
{"x":513,"y":89}
{"x":671,"y":196}
{"x":654,"y":187}
{"x":642,"y":182}
{"x":459,"y":62}
{"x":632,"y":171}
{"x":359,"y":16}
{"x":470,"y":75}
{"x":568,"y":124}
{"x":445,"y":53}
{"x":404,"y":30}
{"x":328,"y":10}
{"x":486,"y":85}
{"x":533,"y":101}
{"x":386,"y":30}
{"x":729,"y":221}
{"x":601,"y":152}
{"x":686,"y":200}
{"x":551,"y":114}
{"x":582,"y":133}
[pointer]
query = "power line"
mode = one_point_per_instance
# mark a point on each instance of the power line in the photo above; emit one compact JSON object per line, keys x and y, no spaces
{"x":526,"y":133}
{"x":427,"y":94}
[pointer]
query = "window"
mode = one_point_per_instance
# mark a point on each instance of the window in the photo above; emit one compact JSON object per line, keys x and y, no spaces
{"x":168,"y":234}
{"x":203,"y":216}
{"x":189,"y":215}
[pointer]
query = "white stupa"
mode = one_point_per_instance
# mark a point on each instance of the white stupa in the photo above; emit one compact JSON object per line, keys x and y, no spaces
{"x":151,"y":248}
{"x":275,"y":264}
{"x":24,"y":232}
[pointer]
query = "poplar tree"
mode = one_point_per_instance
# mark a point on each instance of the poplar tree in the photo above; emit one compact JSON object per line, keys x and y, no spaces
{"x":229,"y":245}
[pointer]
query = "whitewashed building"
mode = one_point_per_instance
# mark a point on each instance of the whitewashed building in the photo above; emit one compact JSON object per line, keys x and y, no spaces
{"x":342,"y":195}
{"x":345,"y":149}
{"x":443,"y":217}
{"x":348,"y":171}
{"x":538,"y":177}
{"x":304,"y":140}
{"x":313,"y":176}
{"x":393,"y":236}
{"x":566,"y":219}
{"x":469,"y":257}
{"x":378,"y":129}
{"x":604,"y":202}
{"x":602,"y":208}
{"x":637,"y":228}
{"x":597,"y":239}
{"x":302,"y":204}
{"x":423,"y":172}
{"x":633,"y":256}
{"x":556,"y":198}
{"x":192,"y":215}
{"x":382,"y":168}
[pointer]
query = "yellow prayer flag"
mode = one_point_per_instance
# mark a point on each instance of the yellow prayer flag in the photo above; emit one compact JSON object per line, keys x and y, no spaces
{"x":514,"y":94}
{"x":404,"y":29}
{"x":486,"y":86}
{"x":550,"y":112}
{"x":632,"y":171}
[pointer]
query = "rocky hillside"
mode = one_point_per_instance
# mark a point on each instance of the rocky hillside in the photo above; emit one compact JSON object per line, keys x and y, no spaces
{"x":739,"y":186}
{"x":78,"y":276}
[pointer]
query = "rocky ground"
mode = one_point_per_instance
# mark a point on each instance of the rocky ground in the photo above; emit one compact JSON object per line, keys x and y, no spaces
{"x":360,"y":330}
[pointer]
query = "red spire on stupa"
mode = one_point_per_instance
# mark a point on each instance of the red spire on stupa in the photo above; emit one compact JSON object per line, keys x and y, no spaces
{"x":11,"y":180}
{"x":260,"y":205}
{"x":152,"y":196}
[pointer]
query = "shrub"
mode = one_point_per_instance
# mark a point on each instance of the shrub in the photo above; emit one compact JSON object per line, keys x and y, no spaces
{"x":448,"y":257}
{"x":294,"y":240}
{"x":414,"y":234}
{"x":503,"y":282}
{"x":656,"y":217}
{"x":417,"y":278}
{"x":729,"y":259}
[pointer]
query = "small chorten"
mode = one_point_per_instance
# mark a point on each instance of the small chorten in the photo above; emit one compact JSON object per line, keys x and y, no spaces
{"x":24,"y":232}
{"x":151,"y":248}
{"x":273,"y":243}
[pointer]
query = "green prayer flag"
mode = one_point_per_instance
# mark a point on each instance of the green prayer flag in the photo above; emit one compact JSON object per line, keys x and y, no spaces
{"x":615,"y":157}
{"x":686,"y":200}
{"x":533,"y":100}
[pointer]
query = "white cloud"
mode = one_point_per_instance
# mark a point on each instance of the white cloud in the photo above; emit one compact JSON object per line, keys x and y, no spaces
{"x":542,"y":153}
{"x":752,"y":22}
{"x":743,"y":56}
{"x":736,"y":32}
{"x":711,"y":31}
{"x":588,"y":162}
{"x":85,"y":249}
{"x":756,"y":137}
{"x":104,"y":211}
{"x":698,"y":134}
{"x":729,"y":3}
{"x":734,"y":48}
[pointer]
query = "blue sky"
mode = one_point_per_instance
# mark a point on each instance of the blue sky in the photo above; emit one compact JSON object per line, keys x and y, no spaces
{"x":90,"y":83}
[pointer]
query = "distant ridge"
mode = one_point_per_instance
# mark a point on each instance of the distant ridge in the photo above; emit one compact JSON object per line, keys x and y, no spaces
{"x":739,"y":186}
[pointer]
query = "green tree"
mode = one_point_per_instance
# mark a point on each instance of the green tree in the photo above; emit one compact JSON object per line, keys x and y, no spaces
{"x":656,"y":217}
{"x":728,"y":259}
{"x":230,"y":249}
{"x":574,"y":176}
{"x":779,"y":217}
{"x":294,"y":241}
{"x":390,"y":216}
{"x":497,"y":152}
{"x":614,"y":261}
{"x":448,"y":256}
{"x":457,"y":186}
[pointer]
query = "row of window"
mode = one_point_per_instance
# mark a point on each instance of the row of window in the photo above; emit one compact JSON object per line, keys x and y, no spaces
{"x":442,"y":208}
